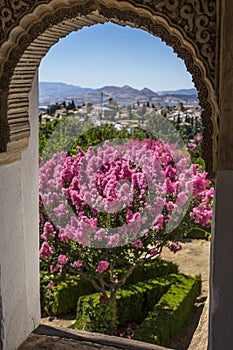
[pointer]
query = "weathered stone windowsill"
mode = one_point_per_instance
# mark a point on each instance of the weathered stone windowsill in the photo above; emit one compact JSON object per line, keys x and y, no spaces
{"x":45,"y":337}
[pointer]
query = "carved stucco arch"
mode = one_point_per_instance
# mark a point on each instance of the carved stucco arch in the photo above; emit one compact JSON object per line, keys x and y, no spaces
{"x":30,"y":28}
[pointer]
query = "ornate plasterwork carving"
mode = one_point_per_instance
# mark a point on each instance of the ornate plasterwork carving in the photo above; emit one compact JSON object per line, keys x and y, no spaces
{"x":193,"y":20}
{"x":196,"y":19}
{"x":11,"y":11}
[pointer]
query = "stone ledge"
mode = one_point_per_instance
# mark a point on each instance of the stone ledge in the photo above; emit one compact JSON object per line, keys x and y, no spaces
{"x":45,"y":335}
{"x":200,"y":337}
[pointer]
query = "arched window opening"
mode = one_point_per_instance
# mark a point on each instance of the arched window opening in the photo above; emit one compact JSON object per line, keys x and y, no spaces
{"x":36,"y":37}
{"x":99,"y":103}
{"x":28,"y":32}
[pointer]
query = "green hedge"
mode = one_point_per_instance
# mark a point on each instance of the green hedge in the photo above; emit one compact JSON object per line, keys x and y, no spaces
{"x":171,"y":312}
{"x":152,"y":270}
{"x":199,"y":233}
{"x":133,"y":304}
{"x":65,"y":296}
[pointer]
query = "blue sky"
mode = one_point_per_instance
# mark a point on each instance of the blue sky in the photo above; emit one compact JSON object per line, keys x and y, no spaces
{"x":108,"y":54}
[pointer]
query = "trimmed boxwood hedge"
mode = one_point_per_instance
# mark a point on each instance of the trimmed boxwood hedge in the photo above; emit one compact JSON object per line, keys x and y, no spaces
{"x":171,"y":312}
{"x":133,"y":303}
{"x":162,"y":307}
{"x":65,"y":296}
{"x":152,"y":270}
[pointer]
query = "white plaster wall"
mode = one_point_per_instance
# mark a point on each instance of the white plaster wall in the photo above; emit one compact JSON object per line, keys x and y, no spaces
{"x":19,"y":244}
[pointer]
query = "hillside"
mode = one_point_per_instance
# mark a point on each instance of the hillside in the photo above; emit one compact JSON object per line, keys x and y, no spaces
{"x":58,"y":92}
{"x":50,"y":92}
{"x":192,"y":91}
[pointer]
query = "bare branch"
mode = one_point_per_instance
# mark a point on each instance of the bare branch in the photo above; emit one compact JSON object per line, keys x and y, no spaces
{"x":126,"y":275}
{"x":94,"y":283}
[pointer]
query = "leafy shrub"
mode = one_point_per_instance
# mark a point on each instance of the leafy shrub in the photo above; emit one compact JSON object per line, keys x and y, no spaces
{"x":91,"y":310}
{"x":63,"y":298}
{"x":110,"y":197}
{"x":67,"y":294}
{"x":199,"y":233}
{"x":152,"y":270}
{"x":171,"y":312}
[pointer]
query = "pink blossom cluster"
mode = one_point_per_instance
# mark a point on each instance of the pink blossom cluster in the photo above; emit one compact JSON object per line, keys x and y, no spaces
{"x":117,"y":177}
{"x":194,"y":143}
{"x":45,"y":250}
{"x":203,"y":196}
{"x":102,"y":266}
{"x":119,"y":194}
{"x":77,"y":264}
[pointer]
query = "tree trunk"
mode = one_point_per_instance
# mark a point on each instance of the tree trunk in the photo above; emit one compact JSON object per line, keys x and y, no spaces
{"x":113,"y":311}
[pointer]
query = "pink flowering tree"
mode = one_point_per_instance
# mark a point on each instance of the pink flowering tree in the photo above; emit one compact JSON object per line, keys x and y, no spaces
{"x":106,"y":211}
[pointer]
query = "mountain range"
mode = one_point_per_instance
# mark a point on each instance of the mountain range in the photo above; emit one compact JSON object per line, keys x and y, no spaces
{"x":52,"y":92}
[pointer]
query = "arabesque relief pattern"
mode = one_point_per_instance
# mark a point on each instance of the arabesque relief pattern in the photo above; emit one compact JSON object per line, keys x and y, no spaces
{"x":193,"y":20}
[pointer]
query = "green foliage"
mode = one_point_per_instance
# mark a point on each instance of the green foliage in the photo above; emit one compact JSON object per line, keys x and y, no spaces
{"x":98,"y":134}
{"x":63,"y":298}
{"x":68,"y":133}
{"x":67,"y":294}
{"x":143,"y":294}
{"x":188,"y":130}
{"x":171,"y":312}
{"x":199,"y":233}
{"x":46,"y":129}
{"x":62,"y":135}
{"x":94,"y":315}
{"x":53,"y":107}
{"x":152,"y":270}
{"x":163,"y":305}
{"x":91,"y":310}
{"x":196,"y":157}
{"x":71,"y":105}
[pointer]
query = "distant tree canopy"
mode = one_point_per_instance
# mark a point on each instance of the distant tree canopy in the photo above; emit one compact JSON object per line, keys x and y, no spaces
{"x":92,"y":135}
{"x":53,"y":107}
{"x":71,"y":105}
